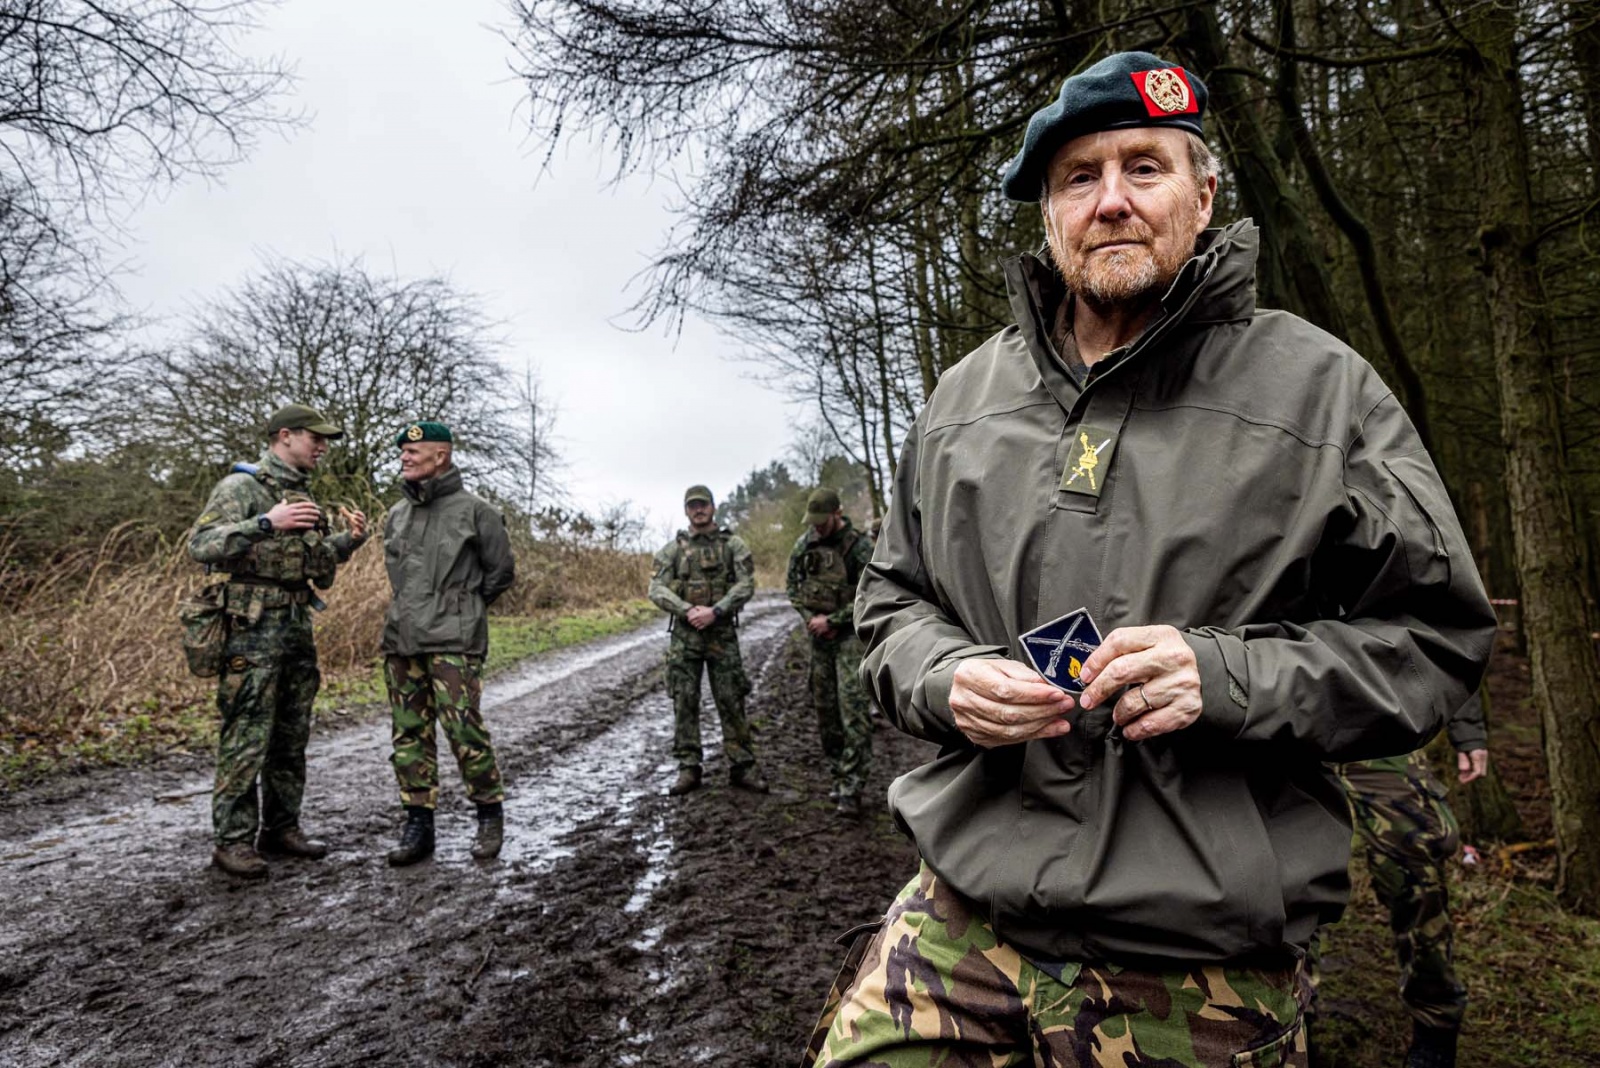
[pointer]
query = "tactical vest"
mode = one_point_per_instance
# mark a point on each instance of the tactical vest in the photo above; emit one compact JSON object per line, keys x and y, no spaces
{"x":288,"y":557}
{"x":703,"y":573}
{"x":825,"y":585}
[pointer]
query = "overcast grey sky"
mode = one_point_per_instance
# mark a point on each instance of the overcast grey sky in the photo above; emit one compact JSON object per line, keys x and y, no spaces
{"x":417,"y":159}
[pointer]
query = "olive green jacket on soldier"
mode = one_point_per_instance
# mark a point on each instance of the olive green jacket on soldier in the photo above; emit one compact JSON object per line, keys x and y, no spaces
{"x":448,"y":558}
{"x":228,"y":535}
{"x":1239,"y":475}
{"x":713,"y":570}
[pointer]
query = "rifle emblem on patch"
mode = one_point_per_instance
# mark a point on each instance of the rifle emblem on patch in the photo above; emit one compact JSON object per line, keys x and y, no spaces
{"x":1070,"y":638}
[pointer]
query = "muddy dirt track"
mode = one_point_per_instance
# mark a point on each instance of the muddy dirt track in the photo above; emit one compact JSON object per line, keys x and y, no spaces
{"x":619,"y":927}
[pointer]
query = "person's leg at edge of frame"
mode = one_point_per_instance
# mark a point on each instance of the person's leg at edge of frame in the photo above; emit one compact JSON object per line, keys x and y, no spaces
{"x":415,"y":756}
{"x":934,"y":970}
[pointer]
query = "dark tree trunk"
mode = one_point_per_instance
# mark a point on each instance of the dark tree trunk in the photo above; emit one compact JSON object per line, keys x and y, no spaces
{"x":1555,"y":608}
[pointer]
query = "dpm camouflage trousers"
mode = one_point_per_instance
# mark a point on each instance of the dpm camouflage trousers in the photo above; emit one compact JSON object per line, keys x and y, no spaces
{"x":445,"y":687}
{"x":844,"y":716}
{"x":265,"y":691}
{"x":716,"y":650}
{"x":1409,"y":834}
{"x":934,"y":986}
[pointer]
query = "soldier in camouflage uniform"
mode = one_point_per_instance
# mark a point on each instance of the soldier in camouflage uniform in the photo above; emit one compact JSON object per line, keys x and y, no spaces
{"x":448,"y":558}
{"x":703,"y":577}
{"x":968,"y":997}
{"x":823,"y":570}
{"x":262,"y":529}
{"x":1405,"y":825}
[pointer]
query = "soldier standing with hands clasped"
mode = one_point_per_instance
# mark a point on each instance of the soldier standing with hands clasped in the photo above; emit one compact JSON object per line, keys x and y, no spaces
{"x":274,"y":542}
{"x":702,"y":578}
{"x":448,"y":558}
{"x":824,"y":568}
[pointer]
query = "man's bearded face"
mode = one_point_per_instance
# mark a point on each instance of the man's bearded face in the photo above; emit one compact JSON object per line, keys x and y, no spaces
{"x":1123,"y":212}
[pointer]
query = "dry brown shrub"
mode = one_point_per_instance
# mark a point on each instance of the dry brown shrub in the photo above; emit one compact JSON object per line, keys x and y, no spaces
{"x":91,"y":640}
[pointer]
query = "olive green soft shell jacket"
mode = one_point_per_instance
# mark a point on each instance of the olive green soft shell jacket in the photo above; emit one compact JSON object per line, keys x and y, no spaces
{"x":448,"y":558}
{"x":1269,"y":498}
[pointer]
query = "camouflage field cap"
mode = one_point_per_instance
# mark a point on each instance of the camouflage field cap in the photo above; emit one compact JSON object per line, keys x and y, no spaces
{"x":822,"y":503}
{"x":425,"y":430}
{"x":698,"y":493}
{"x":303,"y":417}
{"x":1123,"y":90}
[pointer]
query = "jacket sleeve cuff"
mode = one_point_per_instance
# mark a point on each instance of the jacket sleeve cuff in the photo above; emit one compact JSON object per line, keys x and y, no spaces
{"x":1465,"y":737}
{"x":1224,"y":680}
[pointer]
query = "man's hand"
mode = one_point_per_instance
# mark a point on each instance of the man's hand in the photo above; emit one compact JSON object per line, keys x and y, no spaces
{"x":301,"y":515}
{"x":355,"y":520}
{"x":1473,"y":764}
{"x":819,"y":626}
{"x":701,"y":617}
{"x":1162,"y":679}
{"x":1002,"y":702}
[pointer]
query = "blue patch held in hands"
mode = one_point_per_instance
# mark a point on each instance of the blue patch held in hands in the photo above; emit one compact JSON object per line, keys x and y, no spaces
{"x":1058,"y":648}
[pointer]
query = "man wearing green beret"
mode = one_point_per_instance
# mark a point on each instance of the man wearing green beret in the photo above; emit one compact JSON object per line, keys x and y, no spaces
{"x":448,"y":558}
{"x":1130,"y":872}
{"x":262,"y":529}
{"x":702,"y":578}
{"x":824,"y":568}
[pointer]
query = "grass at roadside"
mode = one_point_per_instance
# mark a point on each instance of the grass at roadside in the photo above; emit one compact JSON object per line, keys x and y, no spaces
{"x":190,"y":726}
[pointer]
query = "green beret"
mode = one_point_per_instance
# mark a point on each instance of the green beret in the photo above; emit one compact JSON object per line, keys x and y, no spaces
{"x":303,"y":417}
{"x":821,"y":504}
{"x":698,"y":493}
{"x":1125,"y":90}
{"x":427,"y":430}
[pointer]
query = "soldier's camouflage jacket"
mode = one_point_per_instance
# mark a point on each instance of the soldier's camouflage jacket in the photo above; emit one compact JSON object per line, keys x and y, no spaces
{"x":228,"y":536}
{"x":713,"y":570}
{"x":823,"y":573}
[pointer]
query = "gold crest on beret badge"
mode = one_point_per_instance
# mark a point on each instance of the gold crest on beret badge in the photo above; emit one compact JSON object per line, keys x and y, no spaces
{"x":414,"y":434}
{"x":1167,"y":90}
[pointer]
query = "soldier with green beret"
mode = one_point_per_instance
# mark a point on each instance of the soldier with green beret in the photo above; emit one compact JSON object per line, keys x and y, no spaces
{"x":263,"y":530}
{"x":824,"y":568}
{"x":702,"y":578}
{"x":448,"y":557}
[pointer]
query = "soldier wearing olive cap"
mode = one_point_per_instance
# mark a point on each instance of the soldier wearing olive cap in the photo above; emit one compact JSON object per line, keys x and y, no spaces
{"x":1130,"y":874}
{"x":824,"y":568}
{"x":702,"y":578}
{"x":262,"y":529}
{"x":449,"y":558}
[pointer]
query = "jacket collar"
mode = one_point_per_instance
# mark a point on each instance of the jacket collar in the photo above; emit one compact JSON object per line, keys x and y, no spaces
{"x":1216,"y":285}
{"x":285,"y":475}
{"x":432,"y":489}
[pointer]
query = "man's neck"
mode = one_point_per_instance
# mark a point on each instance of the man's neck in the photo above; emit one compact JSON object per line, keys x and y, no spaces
{"x":1103,"y":328}
{"x":282,"y":459}
{"x":703,"y":531}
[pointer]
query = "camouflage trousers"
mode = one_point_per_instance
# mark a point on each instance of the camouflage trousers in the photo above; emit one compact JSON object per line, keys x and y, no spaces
{"x":265,"y":691}
{"x":934,"y":986}
{"x":1408,"y":833}
{"x":445,"y":687}
{"x":844,"y":715}
{"x":716,"y":649}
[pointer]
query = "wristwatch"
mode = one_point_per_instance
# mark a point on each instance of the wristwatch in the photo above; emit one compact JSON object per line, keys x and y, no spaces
{"x":264,"y":523}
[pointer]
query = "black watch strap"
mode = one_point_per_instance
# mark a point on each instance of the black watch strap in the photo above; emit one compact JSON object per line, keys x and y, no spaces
{"x":264,"y":523}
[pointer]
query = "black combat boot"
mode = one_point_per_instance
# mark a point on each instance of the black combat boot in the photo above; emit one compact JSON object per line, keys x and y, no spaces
{"x":849,"y":807}
{"x":1432,"y":1047}
{"x":491,"y":832}
{"x":239,"y":859}
{"x":416,"y":837}
{"x":688,"y":779}
{"x":292,"y":842}
{"x":748,"y":778}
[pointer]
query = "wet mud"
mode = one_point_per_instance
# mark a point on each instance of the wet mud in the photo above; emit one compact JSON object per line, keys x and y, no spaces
{"x":619,"y":927}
